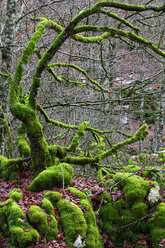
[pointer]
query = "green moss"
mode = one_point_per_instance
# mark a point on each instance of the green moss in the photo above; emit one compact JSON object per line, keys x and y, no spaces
{"x":4,"y":213}
{"x":158,"y":220}
{"x":9,"y":168}
{"x":52,"y":229}
{"x":77,"y":192}
{"x":157,"y":235}
{"x":80,"y":133}
{"x":100,"y":177}
{"x":23,"y":237}
{"x":119,"y":204}
{"x":52,"y":177}
{"x":134,"y":187}
{"x":130,"y":168}
{"x":109,"y":183}
{"x":38,"y":219}
{"x":139,"y":209}
{"x":93,"y":239}
{"x":14,"y":225}
{"x":108,"y":214}
{"x":106,"y":197}
{"x":57,"y":151}
{"x":126,"y":217}
{"x":73,"y":221}
{"x":129,"y":210}
{"x":22,"y":144}
{"x":53,"y":197}
{"x":15,"y":194}
{"x":47,"y":205}
{"x":40,"y":155}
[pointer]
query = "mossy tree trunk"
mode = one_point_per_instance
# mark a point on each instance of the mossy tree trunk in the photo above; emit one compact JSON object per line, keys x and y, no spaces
{"x":40,"y":156}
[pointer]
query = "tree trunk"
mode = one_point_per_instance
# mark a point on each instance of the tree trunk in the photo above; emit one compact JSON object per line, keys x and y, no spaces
{"x":40,"y":155}
{"x":8,"y":35}
{"x":159,"y":122}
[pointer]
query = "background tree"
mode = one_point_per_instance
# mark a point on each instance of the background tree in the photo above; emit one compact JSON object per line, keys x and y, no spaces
{"x":7,"y":44}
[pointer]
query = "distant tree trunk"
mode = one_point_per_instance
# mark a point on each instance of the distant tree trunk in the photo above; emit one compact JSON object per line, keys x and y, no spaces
{"x":8,"y":35}
{"x":141,"y":123}
{"x":158,"y":130}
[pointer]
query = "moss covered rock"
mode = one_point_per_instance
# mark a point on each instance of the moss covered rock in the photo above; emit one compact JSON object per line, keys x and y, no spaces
{"x":48,"y":206}
{"x":15,"y":225}
{"x":15,"y":194}
{"x":53,"y":197}
{"x":125,"y":218}
{"x":73,"y":221}
{"x":38,"y":219}
{"x":52,"y":177}
{"x":93,"y":238}
{"x":157,"y":225}
{"x":135,"y":188}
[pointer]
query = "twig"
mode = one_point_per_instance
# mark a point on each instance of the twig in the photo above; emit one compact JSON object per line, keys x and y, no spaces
{"x":5,"y":204}
{"x":63,"y":181}
{"x":125,"y":179}
{"x":20,"y":161}
{"x":134,"y":222}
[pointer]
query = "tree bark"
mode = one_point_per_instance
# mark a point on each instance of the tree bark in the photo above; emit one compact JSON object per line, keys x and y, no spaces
{"x":8,"y":35}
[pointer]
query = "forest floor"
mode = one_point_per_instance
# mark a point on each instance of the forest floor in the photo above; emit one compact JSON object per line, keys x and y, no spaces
{"x":88,"y":185}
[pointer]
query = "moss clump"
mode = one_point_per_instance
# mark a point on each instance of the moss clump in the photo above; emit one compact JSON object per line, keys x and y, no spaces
{"x":157,"y":235}
{"x":73,"y":221}
{"x":134,"y":187}
{"x":157,"y":225}
{"x":7,"y":170}
{"x":15,"y":194}
{"x":23,"y":237}
{"x":130,"y":168}
{"x":80,"y":133}
{"x":57,"y":151}
{"x":53,"y":229}
{"x":38,"y":219}
{"x":53,"y":197}
{"x":129,"y":210}
{"x":52,"y":177}
{"x":139,"y":209}
{"x":109,"y":215}
{"x":113,"y":215}
{"x":14,"y":225}
{"x":47,"y":205}
{"x":81,"y":195}
{"x":106,"y":197}
{"x":93,"y":238}
{"x":100,"y":175}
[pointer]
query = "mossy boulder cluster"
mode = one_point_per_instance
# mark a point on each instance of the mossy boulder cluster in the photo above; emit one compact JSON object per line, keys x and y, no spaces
{"x":79,"y":223}
{"x":54,"y":176}
{"x":138,"y":211}
{"x":14,"y":225}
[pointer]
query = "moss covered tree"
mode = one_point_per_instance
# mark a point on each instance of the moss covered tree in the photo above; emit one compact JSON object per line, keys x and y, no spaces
{"x":24,"y":108}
